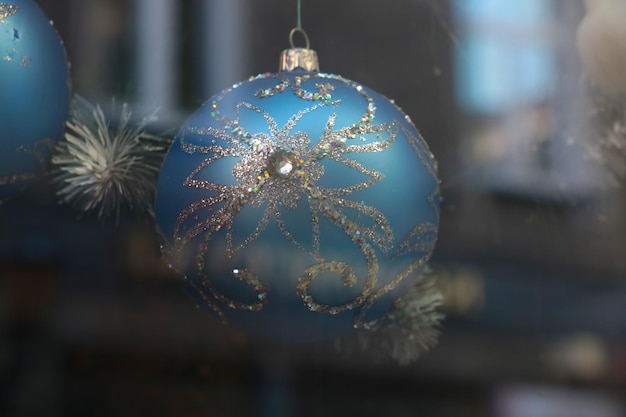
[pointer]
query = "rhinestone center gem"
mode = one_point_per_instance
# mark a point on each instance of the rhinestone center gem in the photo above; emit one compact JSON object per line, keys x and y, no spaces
{"x":282,"y":163}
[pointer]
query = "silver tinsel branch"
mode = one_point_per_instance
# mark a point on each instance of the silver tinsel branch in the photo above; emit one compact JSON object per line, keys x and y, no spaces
{"x":108,"y":167}
{"x":607,"y":127}
{"x":407,"y":331}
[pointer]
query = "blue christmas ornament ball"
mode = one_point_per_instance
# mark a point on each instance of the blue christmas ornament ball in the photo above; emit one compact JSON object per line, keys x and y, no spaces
{"x":34,"y":93}
{"x":298,"y":205}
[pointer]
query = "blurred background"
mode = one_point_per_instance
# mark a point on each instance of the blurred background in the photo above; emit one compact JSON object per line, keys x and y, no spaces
{"x":530,"y":255}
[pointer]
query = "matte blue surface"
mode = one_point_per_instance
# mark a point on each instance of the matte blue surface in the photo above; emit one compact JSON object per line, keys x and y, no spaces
{"x":407,"y":196}
{"x":34,"y":92}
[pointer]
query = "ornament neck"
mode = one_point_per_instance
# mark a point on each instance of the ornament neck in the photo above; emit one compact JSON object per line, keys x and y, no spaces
{"x":298,"y":58}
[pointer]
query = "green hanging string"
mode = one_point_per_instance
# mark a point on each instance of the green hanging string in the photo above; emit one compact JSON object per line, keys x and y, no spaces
{"x":299,"y":24}
{"x":298,"y":28}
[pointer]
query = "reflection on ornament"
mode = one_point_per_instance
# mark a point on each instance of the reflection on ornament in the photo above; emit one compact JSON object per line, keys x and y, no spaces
{"x":34,"y":93}
{"x":298,"y":205}
{"x":105,"y":166}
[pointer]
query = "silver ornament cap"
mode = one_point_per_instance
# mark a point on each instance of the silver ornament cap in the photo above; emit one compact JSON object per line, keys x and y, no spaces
{"x":303,"y":58}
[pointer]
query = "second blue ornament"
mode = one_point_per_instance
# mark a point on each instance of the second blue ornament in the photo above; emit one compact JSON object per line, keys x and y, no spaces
{"x":34,"y":93}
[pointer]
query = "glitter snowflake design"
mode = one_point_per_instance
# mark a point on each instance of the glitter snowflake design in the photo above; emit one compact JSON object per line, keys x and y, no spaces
{"x":279,"y":171}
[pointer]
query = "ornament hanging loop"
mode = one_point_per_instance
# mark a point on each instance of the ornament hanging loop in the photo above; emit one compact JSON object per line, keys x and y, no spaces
{"x":306,"y":37}
{"x":299,"y":58}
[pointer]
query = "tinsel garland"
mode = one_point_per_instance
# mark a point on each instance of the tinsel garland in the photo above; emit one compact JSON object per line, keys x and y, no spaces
{"x":108,"y":167}
{"x":410,"y":329}
{"x":607,"y":128}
